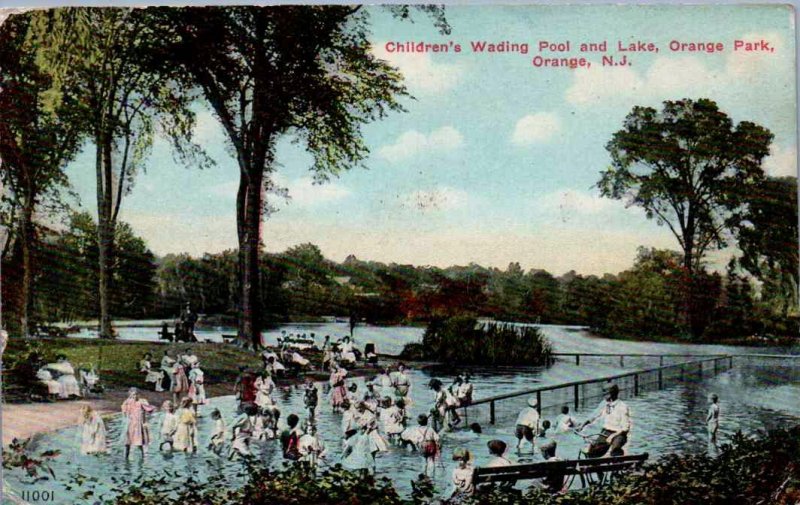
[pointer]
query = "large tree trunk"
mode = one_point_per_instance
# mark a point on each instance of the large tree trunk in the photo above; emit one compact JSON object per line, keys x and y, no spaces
{"x":26,"y":293}
{"x":105,"y":233}
{"x":249,"y":249}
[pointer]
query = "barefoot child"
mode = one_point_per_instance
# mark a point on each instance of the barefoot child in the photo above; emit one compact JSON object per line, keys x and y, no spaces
{"x":169,"y":425}
{"x":527,"y":424}
{"x":93,"y":433}
{"x":428,"y":443}
{"x":242,"y":431}
{"x":311,"y":398}
{"x":712,"y":419}
{"x":218,"y":435}
{"x":186,"y":433}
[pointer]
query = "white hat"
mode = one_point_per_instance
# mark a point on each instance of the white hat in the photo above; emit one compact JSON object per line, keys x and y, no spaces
{"x":532,"y":401}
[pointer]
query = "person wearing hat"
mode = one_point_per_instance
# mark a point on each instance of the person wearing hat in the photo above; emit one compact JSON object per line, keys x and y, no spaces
{"x":527,"y":424}
{"x":462,"y":476}
{"x":616,"y":416}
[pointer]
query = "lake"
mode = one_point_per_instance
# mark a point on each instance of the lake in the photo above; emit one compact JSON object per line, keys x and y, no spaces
{"x":755,"y":395}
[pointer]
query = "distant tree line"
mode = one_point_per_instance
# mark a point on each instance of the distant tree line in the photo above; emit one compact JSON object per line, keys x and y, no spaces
{"x":643,"y":302}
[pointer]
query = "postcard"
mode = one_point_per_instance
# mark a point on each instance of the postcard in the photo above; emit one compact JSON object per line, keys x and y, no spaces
{"x":399,"y":254}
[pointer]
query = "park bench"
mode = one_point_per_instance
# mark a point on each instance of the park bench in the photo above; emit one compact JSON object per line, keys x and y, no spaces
{"x":590,"y":470}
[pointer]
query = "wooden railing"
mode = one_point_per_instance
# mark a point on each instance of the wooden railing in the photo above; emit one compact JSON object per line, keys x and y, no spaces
{"x":720,"y":362}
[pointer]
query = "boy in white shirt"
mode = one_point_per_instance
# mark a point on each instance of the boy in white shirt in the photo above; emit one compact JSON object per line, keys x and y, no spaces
{"x":527,"y":424}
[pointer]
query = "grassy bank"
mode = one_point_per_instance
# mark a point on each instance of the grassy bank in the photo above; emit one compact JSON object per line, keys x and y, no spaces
{"x":118,"y":362}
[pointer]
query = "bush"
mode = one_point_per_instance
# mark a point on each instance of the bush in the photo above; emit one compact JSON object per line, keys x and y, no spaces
{"x":747,"y":472}
{"x":462,"y":340}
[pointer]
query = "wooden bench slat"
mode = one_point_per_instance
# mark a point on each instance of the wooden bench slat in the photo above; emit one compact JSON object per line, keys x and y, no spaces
{"x":567,"y":467}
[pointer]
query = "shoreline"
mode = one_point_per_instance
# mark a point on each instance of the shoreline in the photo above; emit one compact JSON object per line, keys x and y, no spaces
{"x":31,"y":419}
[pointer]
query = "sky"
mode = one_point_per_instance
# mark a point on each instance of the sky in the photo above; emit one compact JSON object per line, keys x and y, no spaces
{"x":495,"y":160}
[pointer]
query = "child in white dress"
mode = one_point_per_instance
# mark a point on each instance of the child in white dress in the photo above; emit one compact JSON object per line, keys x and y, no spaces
{"x":93,"y":435}
{"x":218,"y":435}
{"x":169,"y":425}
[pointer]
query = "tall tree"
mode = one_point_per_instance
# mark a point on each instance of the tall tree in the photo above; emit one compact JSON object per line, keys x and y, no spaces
{"x":106,"y":54}
{"x":35,"y":145}
{"x":269,"y":71}
{"x":768,"y":240}
{"x":690,"y":168}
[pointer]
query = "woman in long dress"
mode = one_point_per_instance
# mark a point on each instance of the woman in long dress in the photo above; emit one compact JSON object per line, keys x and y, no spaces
{"x":180,"y":383}
{"x":197,"y":389}
{"x":264,"y":387}
{"x":369,"y":427}
{"x":93,"y":432}
{"x":66,"y":378}
{"x":338,"y":391}
{"x":151,"y":376}
{"x":186,"y":434}
{"x":137,"y":433}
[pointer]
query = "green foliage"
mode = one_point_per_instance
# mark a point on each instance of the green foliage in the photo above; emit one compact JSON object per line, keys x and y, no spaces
{"x":462,"y":340}
{"x":768,"y":241}
{"x":748,"y":471}
{"x":18,"y":455}
{"x":689,"y":167}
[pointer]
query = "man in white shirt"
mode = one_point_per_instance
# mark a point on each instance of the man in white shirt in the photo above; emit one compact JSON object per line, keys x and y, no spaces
{"x":616,"y":418}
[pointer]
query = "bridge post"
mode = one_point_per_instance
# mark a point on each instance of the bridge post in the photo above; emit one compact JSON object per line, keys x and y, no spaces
{"x":715,"y":366}
{"x":700,"y":369}
{"x":491,"y":412}
{"x":661,"y":361}
{"x":621,"y":360}
{"x":576,"y":390}
{"x":636,"y":385}
{"x":730,"y":362}
{"x":578,"y":360}
{"x":539,"y":402}
{"x":660,"y":379}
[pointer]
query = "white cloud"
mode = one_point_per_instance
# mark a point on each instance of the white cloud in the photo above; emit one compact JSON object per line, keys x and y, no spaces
{"x":421,"y":73}
{"x":536,"y":128}
{"x":413,"y":142}
{"x":676,"y":76}
{"x":304,"y":192}
{"x":781,"y":162}
{"x":440,"y":198}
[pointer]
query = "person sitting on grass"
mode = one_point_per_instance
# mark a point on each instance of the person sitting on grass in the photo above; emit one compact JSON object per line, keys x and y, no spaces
{"x":527,"y":424}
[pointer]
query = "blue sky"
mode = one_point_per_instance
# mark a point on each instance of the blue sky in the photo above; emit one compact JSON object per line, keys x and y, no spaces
{"x":495,"y":160}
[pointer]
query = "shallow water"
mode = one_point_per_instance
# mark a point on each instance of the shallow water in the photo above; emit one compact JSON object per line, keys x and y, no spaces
{"x":755,"y":395}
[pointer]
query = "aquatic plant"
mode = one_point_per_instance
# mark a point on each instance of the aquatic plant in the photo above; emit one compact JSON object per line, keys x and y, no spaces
{"x":18,"y":455}
{"x":463,"y":340}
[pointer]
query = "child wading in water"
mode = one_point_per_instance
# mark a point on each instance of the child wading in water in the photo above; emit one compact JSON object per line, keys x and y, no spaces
{"x":218,"y":436}
{"x":169,"y":425}
{"x":527,"y":424}
{"x":93,"y":433}
{"x":311,"y":398}
{"x":242,"y":430}
{"x":186,"y":434}
{"x":565,"y":422}
{"x":712,"y":419}
{"x":428,"y":443}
